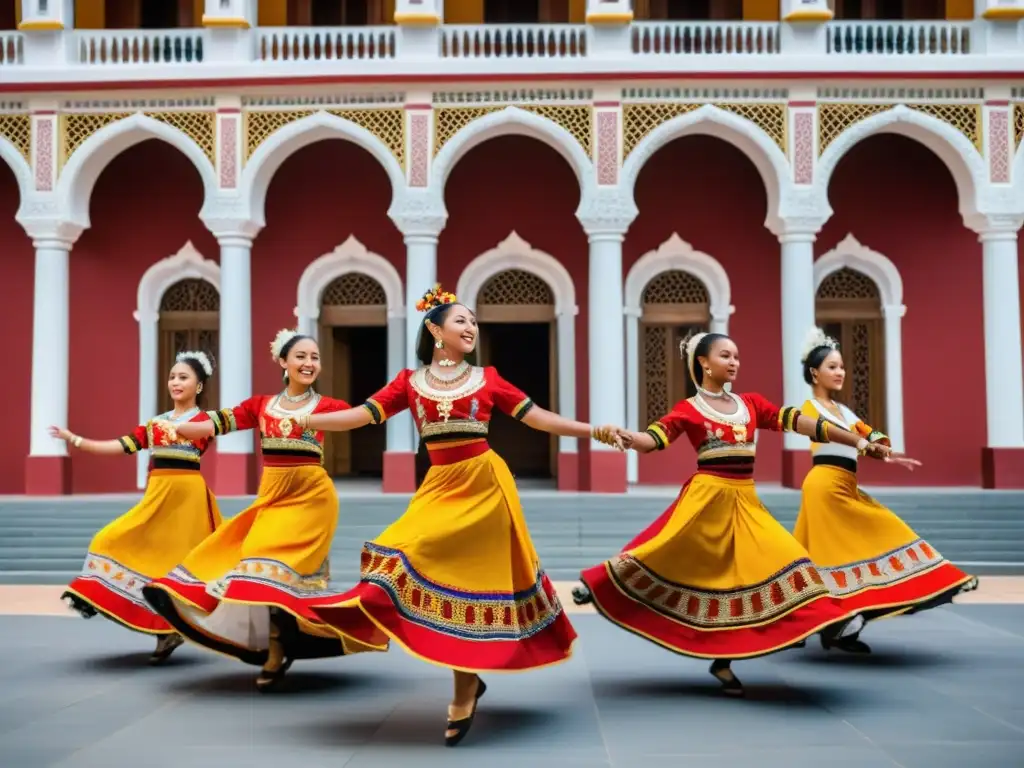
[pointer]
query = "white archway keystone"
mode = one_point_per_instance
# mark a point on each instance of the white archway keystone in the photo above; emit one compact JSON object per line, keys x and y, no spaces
{"x":513,"y":121}
{"x":959,"y":155}
{"x":83,"y":168}
{"x":186,"y":264}
{"x":850,"y":253}
{"x":709,"y":120}
{"x":260,"y":168}
{"x":674,"y":254}
{"x":515,"y":253}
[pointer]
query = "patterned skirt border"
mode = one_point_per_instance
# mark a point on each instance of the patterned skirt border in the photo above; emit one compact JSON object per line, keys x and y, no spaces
{"x":818,"y":613}
{"x":923,"y":590}
{"x":116,"y":606}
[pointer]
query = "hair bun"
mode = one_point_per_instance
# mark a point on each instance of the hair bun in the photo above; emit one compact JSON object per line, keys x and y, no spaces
{"x":436,"y":297}
{"x":283,"y":337}
{"x":200,"y":357}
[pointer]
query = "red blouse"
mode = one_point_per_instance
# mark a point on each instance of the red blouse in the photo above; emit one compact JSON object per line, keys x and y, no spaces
{"x":167,"y":450}
{"x":723,"y":442}
{"x":282,"y":441}
{"x":462,"y":411}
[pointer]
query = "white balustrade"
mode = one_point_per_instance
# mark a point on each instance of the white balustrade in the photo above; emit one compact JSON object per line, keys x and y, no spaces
{"x":129,"y":47}
{"x":326,"y":43}
{"x":682,"y":38}
{"x":12,"y":48}
{"x":909,"y":38}
{"x":513,"y":41}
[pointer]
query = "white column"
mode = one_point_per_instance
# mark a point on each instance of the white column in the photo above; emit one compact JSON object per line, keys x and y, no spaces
{"x":797,"y":320}
{"x":235,"y":364}
{"x":50,"y":345}
{"x":633,"y":390}
{"x":606,"y":334}
{"x":566,"y":349}
{"x":420,"y":276}
{"x":399,"y":436}
{"x":149,"y":346}
{"x":1004,"y":382}
{"x":893,"y":319}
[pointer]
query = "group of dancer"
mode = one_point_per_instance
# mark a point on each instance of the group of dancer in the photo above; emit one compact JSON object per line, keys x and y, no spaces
{"x":456,"y":580}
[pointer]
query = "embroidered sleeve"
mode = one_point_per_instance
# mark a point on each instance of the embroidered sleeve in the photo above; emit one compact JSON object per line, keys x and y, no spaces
{"x":136,"y":440}
{"x":241,"y":417}
{"x":203,"y":443}
{"x":769,"y":416}
{"x":669,"y":427}
{"x":391,"y":400}
{"x":508,"y":398}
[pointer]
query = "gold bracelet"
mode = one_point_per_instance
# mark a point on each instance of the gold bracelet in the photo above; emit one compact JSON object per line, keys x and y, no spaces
{"x":76,"y":441}
{"x":824,"y":432}
{"x":304,"y":421}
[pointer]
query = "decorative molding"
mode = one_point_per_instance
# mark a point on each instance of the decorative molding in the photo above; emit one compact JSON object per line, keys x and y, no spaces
{"x":803,"y":146}
{"x":850,"y":253}
{"x":350,"y":256}
{"x":419,"y":149}
{"x":956,"y":151}
{"x":607,"y":146}
{"x":227,"y":150}
{"x":998,"y":145}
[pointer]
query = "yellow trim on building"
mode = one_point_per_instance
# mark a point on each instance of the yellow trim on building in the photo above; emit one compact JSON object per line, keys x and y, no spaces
{"x":610,"y":19}
{"x":959,"y":10}
{"x":1003,"y":14}
{"x":41,"y":25}
{"x":760,"y":10}
{"x":272,"y":13}
{"x":816,"y":15}
{"x":464,"y":11}
{"x":225,"y":22}
{"x":417,"y":19}
{"x":90,"y":14}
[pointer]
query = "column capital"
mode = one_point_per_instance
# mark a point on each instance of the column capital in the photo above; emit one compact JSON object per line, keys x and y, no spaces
{"x":607,"y":214}
{"x":233,"y":231}
{"x":796,"y":229}
{"x":52,"y":233}
{"x":419,"y":214}
{"x":995,"y":226}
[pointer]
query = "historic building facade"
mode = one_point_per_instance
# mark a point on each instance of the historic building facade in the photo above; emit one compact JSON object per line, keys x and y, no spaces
{"x":595,"y":186}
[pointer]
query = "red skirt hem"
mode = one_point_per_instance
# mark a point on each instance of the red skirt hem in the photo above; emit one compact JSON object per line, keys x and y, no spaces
{"x":725,"y":643}
{"x":907,"y":594}
{"x":367,"y":611}
{"x":119,"y":608}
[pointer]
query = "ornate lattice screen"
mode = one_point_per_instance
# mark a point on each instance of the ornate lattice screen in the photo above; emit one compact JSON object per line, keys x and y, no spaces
{"x":189,"y":320}
{"x":353,"y":289}
{"x":849,"y":308}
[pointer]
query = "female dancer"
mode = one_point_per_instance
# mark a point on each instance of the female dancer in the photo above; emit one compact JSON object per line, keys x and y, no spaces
{"x":244,"y":590}
{"x":716,"y":576}
{"x":177,"y":511}
{"x":868,"y":556}
{"x":456,"y":580}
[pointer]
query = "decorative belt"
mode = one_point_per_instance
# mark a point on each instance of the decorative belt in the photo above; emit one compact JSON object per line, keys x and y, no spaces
{"x":187,"y":465}
{"x":454,"y":452}
{"x":843,"y":462}
{"x":727,"y":467}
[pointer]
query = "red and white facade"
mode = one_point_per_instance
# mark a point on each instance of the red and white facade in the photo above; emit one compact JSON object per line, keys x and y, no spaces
{"x":759,"y":175}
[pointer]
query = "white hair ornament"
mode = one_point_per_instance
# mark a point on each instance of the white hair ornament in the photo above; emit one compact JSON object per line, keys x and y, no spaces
{"x":199,"y":357}
{"x":816,"y":338}
{"x":283,"y":337}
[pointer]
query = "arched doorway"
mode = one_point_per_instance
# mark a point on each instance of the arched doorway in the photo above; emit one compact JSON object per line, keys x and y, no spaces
{"x":189,"y":320}
{"x":675,"y":304}
{"x":353,"y":357}
{"x":516,"y":313}
{"x":848,"y":308}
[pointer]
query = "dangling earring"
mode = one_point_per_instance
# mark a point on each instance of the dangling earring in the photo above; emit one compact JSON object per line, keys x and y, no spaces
{"x":707,"y":371}
{"x":199,"y":389}
{"x":439,"y":344}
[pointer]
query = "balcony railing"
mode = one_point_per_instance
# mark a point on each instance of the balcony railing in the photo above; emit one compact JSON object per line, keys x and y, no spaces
{"x":498,"y":49}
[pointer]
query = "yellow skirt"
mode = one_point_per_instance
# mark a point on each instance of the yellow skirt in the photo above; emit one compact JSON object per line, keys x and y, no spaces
{"x":176,"y":512}
{"x":716,"y":576}
{"x":456,"y":580}
{"x":869,"y":557}
{"x":273,"y":555}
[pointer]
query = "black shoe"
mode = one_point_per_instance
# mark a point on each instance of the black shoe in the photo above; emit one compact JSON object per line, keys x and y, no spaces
{"x":165,"y":646}
{"x":581,"y":595}
{"x":270,"y":680}
{"x":847,"y":644}
{"x":731,"y":685}
{"x":461,"y":727}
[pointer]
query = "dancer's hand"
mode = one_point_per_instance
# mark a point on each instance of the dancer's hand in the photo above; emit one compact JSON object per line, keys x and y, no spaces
{"x":878,"y":450}
{"x":60,"y":433}
{"x":902,"y":461}
{"x":190,"y":430}
{"x":609,"y":435}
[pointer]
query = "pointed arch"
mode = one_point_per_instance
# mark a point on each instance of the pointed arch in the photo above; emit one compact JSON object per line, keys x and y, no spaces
{"x":187,"y":264}
{"x":512,"y":121}
{"x":709,"y":120}
{"x":852,"y":254}
{"x":515,"y":253}
{"x":261,"y":166}
{"x":19,"y":167}
{"x":83,"y":168}
{"x":673,"y":254}
{"x":957,"y":153}
{"x":350,"y":256}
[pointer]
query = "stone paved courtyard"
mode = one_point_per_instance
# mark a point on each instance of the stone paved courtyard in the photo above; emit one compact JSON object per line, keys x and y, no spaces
{"x":942,"y":689}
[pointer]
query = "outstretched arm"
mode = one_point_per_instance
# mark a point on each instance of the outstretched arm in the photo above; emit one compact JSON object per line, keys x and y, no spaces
{"x":641,"y":442}
{"x":820,"y":430}
{"x":192,"y":430}
{"x":99,"y":447}
{"x":546,"y":421}
{"x":339,"y":421}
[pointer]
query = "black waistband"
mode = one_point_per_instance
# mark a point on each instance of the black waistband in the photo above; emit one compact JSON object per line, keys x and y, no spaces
{"x":850,"y":465}
{"x":175,"y":464}
{"x":449,"y":437}
{"x":728,"y":466}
